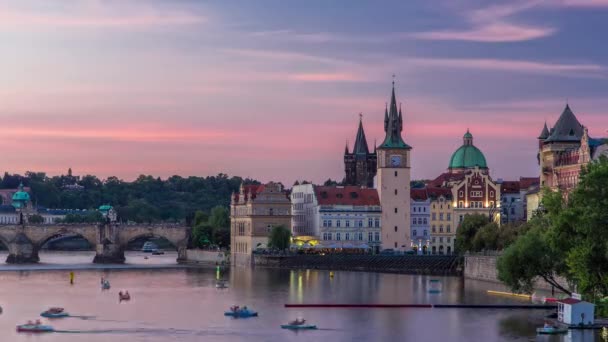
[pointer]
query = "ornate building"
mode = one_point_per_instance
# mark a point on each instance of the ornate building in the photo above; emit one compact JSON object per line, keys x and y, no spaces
{"x":360,"y":165}
{"x":254,"y":211}
{"x":472,"y":191}
{"x":393,"y":181}
{"x":564,"y":149}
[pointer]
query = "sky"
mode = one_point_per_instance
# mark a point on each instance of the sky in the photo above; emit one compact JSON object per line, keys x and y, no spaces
{"x":273,"y":89}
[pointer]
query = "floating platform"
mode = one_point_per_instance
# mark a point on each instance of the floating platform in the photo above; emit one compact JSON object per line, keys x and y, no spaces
{"x":501,"y":293}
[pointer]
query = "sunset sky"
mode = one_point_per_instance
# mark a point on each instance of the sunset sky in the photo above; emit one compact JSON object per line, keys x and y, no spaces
{"x":272,"y":89}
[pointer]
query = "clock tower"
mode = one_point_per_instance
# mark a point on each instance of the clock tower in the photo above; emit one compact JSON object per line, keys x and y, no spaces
{"x":393,"y":182}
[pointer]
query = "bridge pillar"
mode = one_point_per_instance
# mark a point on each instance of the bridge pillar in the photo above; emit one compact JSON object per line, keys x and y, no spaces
{"x":109,"y":253}
{"x":21,"y":250}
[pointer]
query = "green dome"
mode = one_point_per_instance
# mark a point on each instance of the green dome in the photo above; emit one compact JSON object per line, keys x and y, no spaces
{"x":21,"y":195}
{"x":468,"y":156}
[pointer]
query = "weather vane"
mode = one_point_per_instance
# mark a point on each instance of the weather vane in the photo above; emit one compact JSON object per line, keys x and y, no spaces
{"x":361,"y":116}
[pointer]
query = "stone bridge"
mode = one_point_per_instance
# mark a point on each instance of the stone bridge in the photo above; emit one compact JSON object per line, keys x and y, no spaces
{"x":110,"y":239}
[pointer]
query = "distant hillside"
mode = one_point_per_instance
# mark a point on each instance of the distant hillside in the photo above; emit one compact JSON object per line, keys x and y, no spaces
{"x":147,"y":199}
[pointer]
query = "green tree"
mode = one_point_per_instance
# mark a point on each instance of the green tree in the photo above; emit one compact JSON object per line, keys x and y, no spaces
{"x":466,"y":231}
{"x":202,"y":235}
{"x":279,"y":238}
{"x":486,"y":238}
{"x":219,"y":217}
{"x":530,"y":257}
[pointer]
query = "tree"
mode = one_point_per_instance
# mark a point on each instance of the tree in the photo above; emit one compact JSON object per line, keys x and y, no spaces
{"x":202,"y":235}
{"x":486,"y":238}
{"x":467,"y":229}
{"x":580,"y":229}
{"x":529,"y":258}
{"x":220,"y":217}
{"x":279,"y":238}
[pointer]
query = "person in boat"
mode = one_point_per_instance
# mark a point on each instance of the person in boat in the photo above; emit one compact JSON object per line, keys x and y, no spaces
{"x":127,"y":294}
{"x":245,"y":308}
{"x":298,"y":321}
{"x":29,"y":322}
{"x":548,"y":326}
{"x":120,"y":294}
{"x":38,"y":322}
{"x":234,"y":308}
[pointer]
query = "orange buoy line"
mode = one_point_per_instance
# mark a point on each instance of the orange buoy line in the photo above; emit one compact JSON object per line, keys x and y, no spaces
{"x":501,"y":293}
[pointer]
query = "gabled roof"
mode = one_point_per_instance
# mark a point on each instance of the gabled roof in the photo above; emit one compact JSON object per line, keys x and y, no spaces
{"x":567,"y":128}
{"x":445,"y":177}
{"x":510,"y":187}
{"x":526,"y":182}
{"x":346,"y":195}
{"x":418,"y":194}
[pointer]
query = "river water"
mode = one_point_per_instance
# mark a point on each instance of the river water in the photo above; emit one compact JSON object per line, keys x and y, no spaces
{"x":171,"y":303}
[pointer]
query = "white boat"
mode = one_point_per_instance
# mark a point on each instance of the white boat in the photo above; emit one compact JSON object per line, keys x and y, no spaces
{"x":149,"y":247}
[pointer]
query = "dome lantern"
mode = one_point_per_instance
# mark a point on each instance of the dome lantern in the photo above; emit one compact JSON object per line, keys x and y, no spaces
{"x":467,"y":156}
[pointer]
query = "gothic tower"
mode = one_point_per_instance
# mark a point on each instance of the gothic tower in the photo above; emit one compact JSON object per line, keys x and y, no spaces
{"x":394,"y":181}
{"x":360,"y":166}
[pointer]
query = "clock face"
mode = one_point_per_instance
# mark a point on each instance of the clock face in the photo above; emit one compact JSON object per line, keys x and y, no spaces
{"x":395,"y":160}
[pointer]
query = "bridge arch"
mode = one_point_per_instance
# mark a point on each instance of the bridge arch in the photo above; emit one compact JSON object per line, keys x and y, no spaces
{"x":40,"y":235}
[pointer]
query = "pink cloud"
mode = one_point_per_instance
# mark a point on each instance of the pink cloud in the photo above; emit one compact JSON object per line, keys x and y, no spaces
{"x":92,"y":14}
{"x":323,"y":77}
{"x":490,"y":33}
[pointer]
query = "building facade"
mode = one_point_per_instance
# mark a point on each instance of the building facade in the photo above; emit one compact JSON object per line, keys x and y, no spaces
{"x":421,"y":214}
{"x":254,"y":211}
{"x":441,"y":212}
{"x":393,"y":181}
{"x":360,"y":166}
{"x":304,"y":224}
{"x":513,"y":202}
{"x":563,"y":150}
{"x":348,"y":217}
{"x":472,"y":190}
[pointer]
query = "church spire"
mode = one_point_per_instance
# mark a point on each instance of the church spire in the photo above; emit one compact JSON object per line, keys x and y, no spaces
{"x":393,"y":125}
{"x":544,"y":134}
{"x":360,"y":141}
{"x":346,"y":148}
{"x":385,"y":116}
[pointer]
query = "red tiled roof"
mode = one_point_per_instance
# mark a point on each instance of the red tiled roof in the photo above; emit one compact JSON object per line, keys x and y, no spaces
{"x":436,"y":192}
{"x":509,"y":187}
{"x":418,"y":194}
{"x":346,"y":195}
{"x":445,"y":177}
{"x":569,"y":301}
{"x":526,"y":182}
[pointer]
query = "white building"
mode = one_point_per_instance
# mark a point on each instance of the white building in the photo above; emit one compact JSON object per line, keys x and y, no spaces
{"x":304,"y":223}
{"x":574,"y":311}
{"x":338,"y":216}
{"x":420,"y":211}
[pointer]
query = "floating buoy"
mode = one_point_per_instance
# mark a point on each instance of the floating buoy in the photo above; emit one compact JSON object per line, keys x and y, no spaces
{"x":72,"y":278}
{"x":331,"y":274}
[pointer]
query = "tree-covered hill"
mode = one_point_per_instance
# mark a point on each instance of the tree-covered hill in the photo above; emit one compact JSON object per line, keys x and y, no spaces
{"x":146,"y":199}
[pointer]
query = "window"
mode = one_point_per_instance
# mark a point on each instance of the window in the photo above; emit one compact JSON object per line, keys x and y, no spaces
{"x":377,"y":236}
{"x":491,"y":193}
{"x":448,"y":206}
{"x":414,"y":232}
{"x":460,"y":218}
{"x":476,"y":194}
{"x":338,"y":223}
{"x":460,"y":204}
{"x":441,"y":228}
{"x":512,"y":211}
{"x":270,"y":211}
{"x":395,"y":191}
{"x":433,"y":229}
{"x":329,"y":223}
{"x":424,"y":220}
{"x":370,"y":222}
{"x":441,"y":206}
{"x":441,"y":217}
{"x":433,"y":206}
{"x":338,"y":236}
{"x":448,"y":239}
{"x":440,"y":239}
{"x":426,"y":233}
{"x":377,"y":223}
{"x":395,"y":210}
{"x":347,"y":237}
{"x":448,"y":228}
{"x":347,"y":223}
{"x":370,"y":236}
{"x":360,"y":236}
{"x":424,"y":209}
{"x":414,"y":221}
{"x":449,"y":217}
{"x":460,"y":193}
{"x":395,"y":228}
{"x":433,"y":239}
{"x":360,"y":223}
{"x":434,"y":216}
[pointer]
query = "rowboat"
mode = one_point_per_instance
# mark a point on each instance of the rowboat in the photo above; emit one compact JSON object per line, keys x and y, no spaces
{"x":49,"y":314}
{"x":34,"y":328}
{"x":299,"y":326}
{"x":241,"y":313}
{"x":551,"y":331}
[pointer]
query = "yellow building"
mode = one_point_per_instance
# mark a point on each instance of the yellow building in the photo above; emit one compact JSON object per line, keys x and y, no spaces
{"x":442,"y":228}
{"x":254,"y":211}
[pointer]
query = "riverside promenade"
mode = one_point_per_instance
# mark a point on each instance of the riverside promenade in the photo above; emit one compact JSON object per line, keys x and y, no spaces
{"x":405,"y":264}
